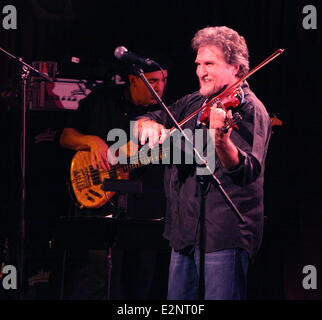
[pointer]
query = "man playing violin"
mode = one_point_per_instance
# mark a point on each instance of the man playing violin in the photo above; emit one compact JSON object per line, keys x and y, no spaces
{"x":212,"y":247}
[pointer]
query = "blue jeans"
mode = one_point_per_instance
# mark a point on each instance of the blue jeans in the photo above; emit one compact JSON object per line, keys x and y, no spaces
{"x":225,"y":275}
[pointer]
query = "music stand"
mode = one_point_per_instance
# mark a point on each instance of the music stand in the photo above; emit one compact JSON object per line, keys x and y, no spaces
{"x":105,"y":232}
{"x":124,"y":186}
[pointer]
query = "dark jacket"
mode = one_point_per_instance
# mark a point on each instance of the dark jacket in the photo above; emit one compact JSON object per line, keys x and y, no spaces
{"x":220,"y":228}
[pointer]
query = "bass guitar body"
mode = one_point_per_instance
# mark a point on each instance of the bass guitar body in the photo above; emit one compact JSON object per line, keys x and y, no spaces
{"x":87,"y":182}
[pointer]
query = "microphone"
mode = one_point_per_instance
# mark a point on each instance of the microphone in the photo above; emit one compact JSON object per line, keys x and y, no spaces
{"x":121,"y":53}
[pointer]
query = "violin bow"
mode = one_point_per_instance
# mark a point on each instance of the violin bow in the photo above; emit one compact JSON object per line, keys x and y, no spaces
{"x":233,"y":86}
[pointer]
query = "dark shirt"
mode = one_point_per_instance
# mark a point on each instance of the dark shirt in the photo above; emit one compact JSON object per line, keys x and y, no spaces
{"x":244,"y":185}
{"x":109,"y":108}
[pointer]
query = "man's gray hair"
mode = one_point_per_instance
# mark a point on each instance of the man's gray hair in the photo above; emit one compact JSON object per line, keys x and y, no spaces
{"x":233,"y":46}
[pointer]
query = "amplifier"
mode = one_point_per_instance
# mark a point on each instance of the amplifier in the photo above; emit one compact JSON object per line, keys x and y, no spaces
{"x":59,"y":94}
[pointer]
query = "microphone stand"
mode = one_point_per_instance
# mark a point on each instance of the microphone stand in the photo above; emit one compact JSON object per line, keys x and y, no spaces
{"x":25,"y":71}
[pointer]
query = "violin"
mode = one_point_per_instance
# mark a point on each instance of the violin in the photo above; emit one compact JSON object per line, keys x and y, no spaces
{"x":230,"y":97}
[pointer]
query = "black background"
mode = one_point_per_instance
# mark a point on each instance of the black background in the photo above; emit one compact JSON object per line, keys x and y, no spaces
{"x":288,"y":85}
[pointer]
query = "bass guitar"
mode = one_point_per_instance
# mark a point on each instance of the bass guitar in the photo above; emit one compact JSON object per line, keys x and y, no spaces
{"x":87,"y":182}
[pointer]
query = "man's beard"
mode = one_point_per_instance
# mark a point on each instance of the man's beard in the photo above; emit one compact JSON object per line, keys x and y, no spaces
{"x":211,"y":92}
{"x":206,"y":92}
